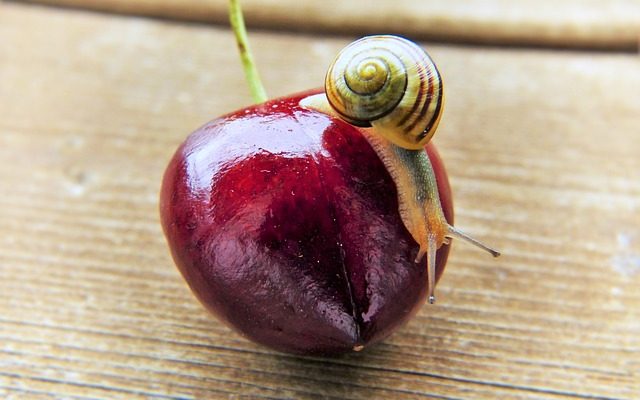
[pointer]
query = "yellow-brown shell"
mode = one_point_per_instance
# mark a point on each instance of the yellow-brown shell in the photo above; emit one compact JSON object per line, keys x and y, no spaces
{"x":390,"y":83}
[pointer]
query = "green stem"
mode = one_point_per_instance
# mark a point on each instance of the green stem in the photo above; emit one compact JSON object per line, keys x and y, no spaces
{"x":251,"y":72}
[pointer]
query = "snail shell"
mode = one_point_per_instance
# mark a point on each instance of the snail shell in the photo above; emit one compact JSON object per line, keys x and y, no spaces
{"x":390,"y":83}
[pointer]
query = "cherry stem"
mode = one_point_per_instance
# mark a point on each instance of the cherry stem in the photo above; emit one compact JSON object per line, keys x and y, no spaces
{"x":251,"y":72}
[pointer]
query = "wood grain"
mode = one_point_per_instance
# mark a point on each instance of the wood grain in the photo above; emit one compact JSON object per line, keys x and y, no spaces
{"x":542,"y":149}
{"x":611,"y":24}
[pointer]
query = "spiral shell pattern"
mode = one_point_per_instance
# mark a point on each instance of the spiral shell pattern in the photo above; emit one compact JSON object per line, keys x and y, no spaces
{"x":390,"y":83}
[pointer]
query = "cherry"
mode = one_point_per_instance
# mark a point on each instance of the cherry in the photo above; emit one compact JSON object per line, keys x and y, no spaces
{"x":285,"y":224}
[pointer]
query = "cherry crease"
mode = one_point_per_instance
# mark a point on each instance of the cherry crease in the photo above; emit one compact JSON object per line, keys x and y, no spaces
{"x":285,"y":224}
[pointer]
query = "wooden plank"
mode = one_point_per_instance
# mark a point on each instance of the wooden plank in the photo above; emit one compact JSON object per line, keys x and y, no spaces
{"x":541,"y":147}
{"x":614,"y":24}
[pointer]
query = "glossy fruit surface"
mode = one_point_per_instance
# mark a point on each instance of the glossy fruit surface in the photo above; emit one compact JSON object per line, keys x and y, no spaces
{"x":285,"y":224}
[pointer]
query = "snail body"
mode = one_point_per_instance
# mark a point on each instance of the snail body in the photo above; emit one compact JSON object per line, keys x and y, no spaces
{"x":392,"y":86}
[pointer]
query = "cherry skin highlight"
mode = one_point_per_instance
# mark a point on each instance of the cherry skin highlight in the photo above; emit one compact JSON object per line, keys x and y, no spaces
{"x":285,"y":224}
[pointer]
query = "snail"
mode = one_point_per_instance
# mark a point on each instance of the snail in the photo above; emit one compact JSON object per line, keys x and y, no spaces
{"x":390,"y":84}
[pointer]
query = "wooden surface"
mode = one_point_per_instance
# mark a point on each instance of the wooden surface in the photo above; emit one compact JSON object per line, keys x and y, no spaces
{"x":610,"y":24}
{"x":542,"y":148}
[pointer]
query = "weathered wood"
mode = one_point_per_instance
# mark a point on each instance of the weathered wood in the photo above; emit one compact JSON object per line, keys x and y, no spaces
{"x":611,"y":24}
{"x":541,"y":146}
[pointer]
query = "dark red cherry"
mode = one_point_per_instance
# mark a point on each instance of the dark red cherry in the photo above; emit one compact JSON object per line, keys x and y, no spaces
{"x":285,"y":224}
